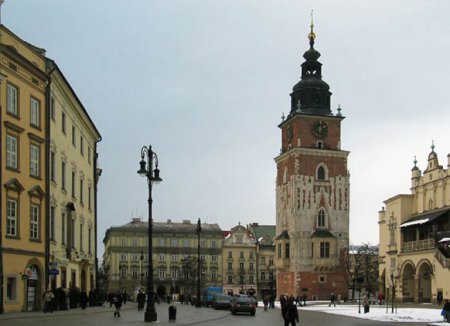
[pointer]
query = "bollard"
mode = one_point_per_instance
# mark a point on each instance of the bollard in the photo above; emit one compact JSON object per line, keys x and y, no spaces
{"x":172,"y":313}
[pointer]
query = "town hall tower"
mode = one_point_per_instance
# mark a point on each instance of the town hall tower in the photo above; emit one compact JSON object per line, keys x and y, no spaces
{"x":312,"y":190}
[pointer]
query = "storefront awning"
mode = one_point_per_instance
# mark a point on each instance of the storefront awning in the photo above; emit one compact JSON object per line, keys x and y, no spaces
{"x":444,"y":240}
{"x":424,"y":217}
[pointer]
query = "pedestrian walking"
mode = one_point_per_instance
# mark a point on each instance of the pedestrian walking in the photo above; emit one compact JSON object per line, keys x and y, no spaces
{"x":380,"y":298}
{"x":439,"y":298}
{"x":332,"y":300}
{"x":83,"y":299}
{"x":446,"y":311}
{"x":290,"y":312}
{"x":48,"y":297}
{"x":118,"y":299}
{"x":141,"y":300}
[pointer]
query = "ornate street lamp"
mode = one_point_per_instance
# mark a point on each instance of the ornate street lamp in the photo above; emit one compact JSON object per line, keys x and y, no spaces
{"x":199,"y":231}
{"x":152,"y":177}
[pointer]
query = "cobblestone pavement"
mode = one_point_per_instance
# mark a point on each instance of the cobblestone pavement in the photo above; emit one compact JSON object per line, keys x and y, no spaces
{"x":186,"y":315}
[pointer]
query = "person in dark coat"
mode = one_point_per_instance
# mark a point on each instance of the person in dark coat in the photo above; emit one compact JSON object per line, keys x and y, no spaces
{"x":83,"y":299}
{"x":290,"y":312}
{"x":446,"y":311}
{"x":332,"y":300}
{"x":283,"y":302}
{"x":118,"y":299}
{"x":141,"y":300}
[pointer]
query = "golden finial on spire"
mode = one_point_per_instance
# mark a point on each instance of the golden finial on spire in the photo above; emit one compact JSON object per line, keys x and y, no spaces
{"x":311,"y":35}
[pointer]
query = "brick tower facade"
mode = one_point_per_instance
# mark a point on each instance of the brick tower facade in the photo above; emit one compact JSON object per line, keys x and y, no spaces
{"x":312,"y":190}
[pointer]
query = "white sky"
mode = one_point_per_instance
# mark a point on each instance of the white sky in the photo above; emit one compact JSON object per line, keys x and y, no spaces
{"x":206,"y":82}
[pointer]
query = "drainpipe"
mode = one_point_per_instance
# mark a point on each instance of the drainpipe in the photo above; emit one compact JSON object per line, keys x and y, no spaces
{"x":2,"y":310}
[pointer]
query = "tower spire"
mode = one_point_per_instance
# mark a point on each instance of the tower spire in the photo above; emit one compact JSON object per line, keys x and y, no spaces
{"x":312,"y":35}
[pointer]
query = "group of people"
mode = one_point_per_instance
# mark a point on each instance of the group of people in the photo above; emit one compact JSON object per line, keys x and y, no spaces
{"x":64,"y":299}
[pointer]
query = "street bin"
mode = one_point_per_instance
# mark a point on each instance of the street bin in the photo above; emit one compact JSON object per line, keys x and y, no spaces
{"x":366,"y":308}
{"x":172,"y":313}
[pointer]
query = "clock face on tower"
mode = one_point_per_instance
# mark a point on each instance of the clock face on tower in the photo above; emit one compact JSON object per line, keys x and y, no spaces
{"x":319,"y":129}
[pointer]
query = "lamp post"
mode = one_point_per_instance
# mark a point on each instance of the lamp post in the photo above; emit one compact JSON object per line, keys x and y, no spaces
{"x":142,"y":268}
{"x":152,"y":177}
{"x":393,"y":291}
{"x":199,"y":231}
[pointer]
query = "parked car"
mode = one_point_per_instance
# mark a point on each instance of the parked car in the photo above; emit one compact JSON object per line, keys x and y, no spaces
{"x":221,"y":301}
{"x":243,"y":304}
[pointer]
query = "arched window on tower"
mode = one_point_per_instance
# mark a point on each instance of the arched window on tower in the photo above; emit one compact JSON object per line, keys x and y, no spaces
{"x":321,"y":173}
{"x":321,"y":218}
{"x":285,"y":174}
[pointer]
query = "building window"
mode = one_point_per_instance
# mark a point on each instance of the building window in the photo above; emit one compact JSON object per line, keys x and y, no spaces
{"x":63,"y":175}
{"x":230,"y":279}
{"x":12,"y":100}
{"x":230,"y":254}
{"x":134,"y":242}
{"x":241,"y":266}
{"x":52,"y":166}
{"x":11,"y":217}
{"x":72,"y":233}
{"x":202,"y":273}
{"x":73,"y":184}
{"x":241,"y":279}
{"x":186,"y":243}
{"x":52,"y":108}
{"x":174,"y":258}
{"x":230,"y":265}
{"x":250,"y":266}
{"x":90,"y":240}
{"x":81,"y":191}
{"x":162,"y":242}
{"x":173,"y":274}
{"x":162,"y":274}
{"x":321,"y":218}
{"x":213,"y":273}
{"x":63,"y":122}
{"x":270,"y":262}
{"x":81,"y":145}
{"x":324,"y":250}
{"x":123,"y":273}
{"x":123,"y":241}
{"x":89,"y":198}
{"x":239,"y":238}
{"x":251,"y":255}
{"x":322,"y":279}
{"x":279,"y":250}
{"x":321,"y":173}
{"x":250,"y":279}
{"x":174,"y":242}
{"x":34,"y":112}
{"x":202,"y":243}
{"x":214,"y":258}
{"x":81,"y":236}
{"x":11,"y":288}
{"x":202,"y":258}
{"x":63,"y":229}
{"x":123,"y":256}
{"x":286,"y":250}
{"x":89,"y":155}
{"x":34,"y":160}
{"x":241,"y":255}
{"x":162,"y":257}
{"x":213,"y":244}
{"x":52,"y":223}
{"x":11,"y":152}
{"x":263,"y":276}
{"x":74,"y":142}
{"x":34,"y":222}
{"x":134,"y":273}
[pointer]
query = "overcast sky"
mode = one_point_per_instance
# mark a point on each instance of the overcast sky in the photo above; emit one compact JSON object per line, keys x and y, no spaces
{"x":206,"y":82}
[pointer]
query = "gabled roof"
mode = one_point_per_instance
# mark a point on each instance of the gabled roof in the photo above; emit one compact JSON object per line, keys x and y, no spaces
{"x":322,"y":233}
{"x":283,"y":235}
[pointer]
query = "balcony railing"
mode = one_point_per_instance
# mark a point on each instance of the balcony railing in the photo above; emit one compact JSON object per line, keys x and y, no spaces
{"x":418,"y":245}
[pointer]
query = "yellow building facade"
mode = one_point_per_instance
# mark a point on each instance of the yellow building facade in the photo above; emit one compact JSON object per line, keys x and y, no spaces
{"x":175,"y":252}
{"x":23,"y":174}
{"x":73,"y":176}
{"x":414,"y":231}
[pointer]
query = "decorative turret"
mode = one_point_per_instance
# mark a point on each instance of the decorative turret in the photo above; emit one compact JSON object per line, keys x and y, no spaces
{"x":433,"y":162}
{"x":415,"y":173}
{"x":311,"y":94}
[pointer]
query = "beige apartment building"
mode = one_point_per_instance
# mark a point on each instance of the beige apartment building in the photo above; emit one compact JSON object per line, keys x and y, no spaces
{"x":239,"y":262}
{"x":415,"y":236}
{"x":23,"y":192}
{"x":175,"y":252}
{"x":73,"y":177}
